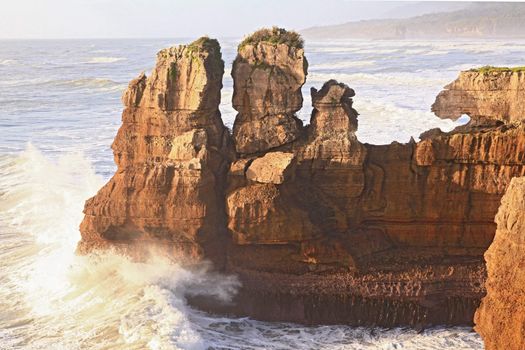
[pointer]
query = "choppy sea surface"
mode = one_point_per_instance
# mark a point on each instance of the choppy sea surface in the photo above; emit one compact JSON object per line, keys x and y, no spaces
{"x":59,"y":111}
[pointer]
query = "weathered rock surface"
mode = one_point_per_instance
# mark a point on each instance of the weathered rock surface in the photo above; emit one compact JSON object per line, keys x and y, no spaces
{"x":501,"y":317}
{"x":486,"y":93}
{"x":390,"y":234}
{"x":267,"y":79}
{"x":273,"y":167}
{"x":172,"y":152}
{"x":318,"y":226}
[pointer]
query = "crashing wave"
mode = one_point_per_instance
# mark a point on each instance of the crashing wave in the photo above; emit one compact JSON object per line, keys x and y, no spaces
{"x":96,"y":300}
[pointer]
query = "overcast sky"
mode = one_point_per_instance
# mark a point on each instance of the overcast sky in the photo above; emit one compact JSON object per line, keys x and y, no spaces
{"x":180,"y":18}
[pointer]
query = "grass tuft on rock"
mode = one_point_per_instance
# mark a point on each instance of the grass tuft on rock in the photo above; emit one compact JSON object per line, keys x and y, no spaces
{"x":491,"y":69}
{"x":204,"y":43}
{"x":274,"y":35}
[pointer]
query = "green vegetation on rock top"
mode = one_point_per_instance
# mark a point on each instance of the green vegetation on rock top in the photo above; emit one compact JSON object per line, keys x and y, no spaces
{"x":490,"y":69}
{"x":275,"y":35}
{"x":204,"y":43}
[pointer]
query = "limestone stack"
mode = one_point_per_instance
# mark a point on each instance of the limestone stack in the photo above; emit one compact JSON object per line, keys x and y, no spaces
{"x":268,"y":73}
{"x":366,"y":234}
{"x":172,"y":152}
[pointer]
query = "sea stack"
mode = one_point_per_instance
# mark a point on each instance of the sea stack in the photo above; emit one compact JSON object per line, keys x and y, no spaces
{"x":172,"y":152}
{"x":317,"y":226}
{"x":268,"y":73}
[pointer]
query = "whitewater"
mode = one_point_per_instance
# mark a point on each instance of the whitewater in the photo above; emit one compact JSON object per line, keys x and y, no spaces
{"x":59,"y":111}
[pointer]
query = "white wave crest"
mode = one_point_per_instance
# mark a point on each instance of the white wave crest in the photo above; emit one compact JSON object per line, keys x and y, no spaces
{"x":104,"y":59}
{"x":97,"y":84}
{"x":7,"y":62}
{"x":437,"y":53}
{"x":416,"y":51}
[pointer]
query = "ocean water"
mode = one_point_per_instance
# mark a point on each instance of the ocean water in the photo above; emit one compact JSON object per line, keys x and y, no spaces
{"x":59,"y":111}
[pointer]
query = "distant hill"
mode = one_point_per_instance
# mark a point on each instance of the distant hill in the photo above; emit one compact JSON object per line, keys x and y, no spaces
{"x":479,"y":20}
{"x":411,"y":9}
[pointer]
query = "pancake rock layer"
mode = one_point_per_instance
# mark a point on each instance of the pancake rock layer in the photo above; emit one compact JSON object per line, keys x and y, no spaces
{"x":318,"y":227}
{"x":485,"y":93}
{"x":172,"y":152}
{"x":267,"y":92}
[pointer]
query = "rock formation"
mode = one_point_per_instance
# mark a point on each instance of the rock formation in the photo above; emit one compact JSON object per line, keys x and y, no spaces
{"x":487,"y":92}
{"x":319,"y":227}
{"x":172,"y":152}
{"x":501,"y":317}
{"x":268,"y":74}
{"x":365,"y":234}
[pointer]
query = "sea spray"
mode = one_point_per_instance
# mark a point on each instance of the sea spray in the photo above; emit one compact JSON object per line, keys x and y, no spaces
{"x":86,"y":301}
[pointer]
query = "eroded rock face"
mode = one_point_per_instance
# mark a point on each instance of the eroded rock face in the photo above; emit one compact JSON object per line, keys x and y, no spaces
{"x":172,"y":152}
{"x":319,"y":227}
{"x":484,"y":94}
{"x":333,"y":126}
{"x":295,"y":203}
{"x":267,"y":81}
{"x":366,"y":234}
{"x":500,"y":319}
{"x":273,"y":167}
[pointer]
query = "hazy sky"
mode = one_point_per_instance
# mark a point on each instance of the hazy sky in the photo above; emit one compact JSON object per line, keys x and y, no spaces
{"x":178,"y":18}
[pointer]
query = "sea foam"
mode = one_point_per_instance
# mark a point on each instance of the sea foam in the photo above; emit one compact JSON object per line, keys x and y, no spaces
{"x":94,"y":300}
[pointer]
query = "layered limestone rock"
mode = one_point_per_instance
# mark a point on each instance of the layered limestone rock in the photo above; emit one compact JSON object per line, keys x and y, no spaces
{"x":268,"y":74}
{"x":332,"y":127}
{"x":366,"y":234}
{"x":485,"y":93}
{"x":318,"y":227}
{"x":501,"y":317}
{"x":281,"y":197}
{"x":273,"y":167}
{"x":172,"y":153}
{"x":332,"y":157}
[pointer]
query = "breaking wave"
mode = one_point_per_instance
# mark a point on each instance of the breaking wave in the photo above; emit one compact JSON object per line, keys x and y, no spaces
{"x":62,"y":301}
{"x":96,"y":84}
{"x":104,"y":59}
{"x":7,"y":62}
{"x":247,"y":334}
{"x":381,"y":122}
